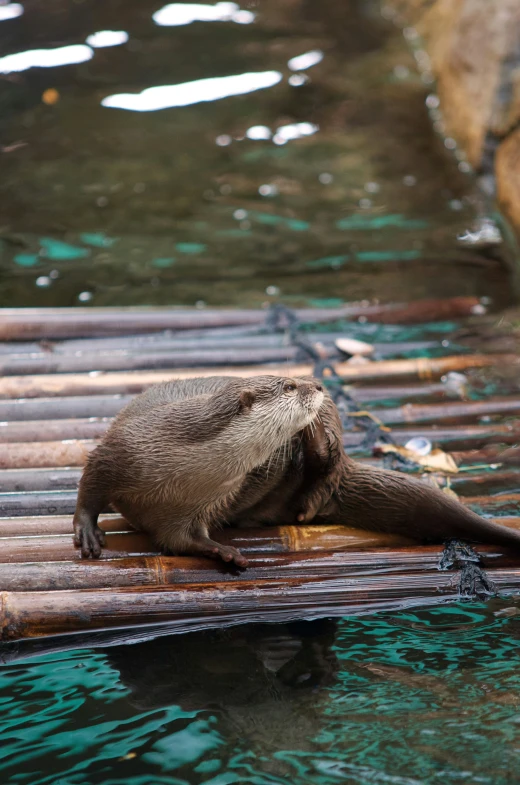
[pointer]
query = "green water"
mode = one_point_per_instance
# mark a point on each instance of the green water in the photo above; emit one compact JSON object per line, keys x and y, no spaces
{"x":102,"y":205}
{"x":411,"y":698}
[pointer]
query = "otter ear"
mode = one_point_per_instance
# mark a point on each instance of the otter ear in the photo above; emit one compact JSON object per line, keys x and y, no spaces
{"x":246,"y":400}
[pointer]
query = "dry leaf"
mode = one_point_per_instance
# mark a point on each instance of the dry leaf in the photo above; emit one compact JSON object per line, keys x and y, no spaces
{"x":436,"y":460}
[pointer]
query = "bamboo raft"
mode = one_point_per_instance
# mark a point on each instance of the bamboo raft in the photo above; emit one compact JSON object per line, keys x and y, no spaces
{"x":65,"y":373}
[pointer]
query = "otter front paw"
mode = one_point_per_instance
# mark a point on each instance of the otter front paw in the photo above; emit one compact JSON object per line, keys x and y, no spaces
{"x":90,"y":539}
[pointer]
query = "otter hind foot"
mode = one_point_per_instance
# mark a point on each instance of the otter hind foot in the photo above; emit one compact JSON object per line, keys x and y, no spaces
{"x":227,"y":553}
{"x":202,"y":545}
{"x":89,"y":537}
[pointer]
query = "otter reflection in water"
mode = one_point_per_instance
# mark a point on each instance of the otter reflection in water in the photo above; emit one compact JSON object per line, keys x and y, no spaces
{"x":265,"y":682}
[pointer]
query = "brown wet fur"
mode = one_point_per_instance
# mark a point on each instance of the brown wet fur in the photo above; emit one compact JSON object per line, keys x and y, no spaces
{"x":185,"y":457}
{"x":185,"y":428}
{"x":387,"y":501}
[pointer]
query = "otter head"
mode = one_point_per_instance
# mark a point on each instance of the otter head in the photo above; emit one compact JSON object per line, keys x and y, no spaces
{"x":277,"y":408}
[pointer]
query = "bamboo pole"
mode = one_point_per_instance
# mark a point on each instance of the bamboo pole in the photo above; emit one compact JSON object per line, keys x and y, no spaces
{"x":23,"y":480}
{"x":124,"y":361}
{"x":52,"y":431}
{"x":32,"y":614}
{"x":73,"y":453}
{"x":157,"y":358}
{"x":123,"y":542}
{"x":81,"y":407}
{"x":61,"y":502}
{"x":42,"y":525}
{"x":180,"y":570}
{"x":487,"y":502}
{"x":459,"y":436}
{"x":492,"y":453}
{"x":506,"y":504}
{"x":57,"y":479}
{"x":433,"y":412}
{"x":49,"y":538}
{"x":22,"y":483}
{"x":20,"y":455}
{"x":473,"y":483}
{"x":49,"y":323}
{"x":88,"y":430}
{"x":12,"y":429}
{"x":96,"y":383}
{"x":186,"y":342}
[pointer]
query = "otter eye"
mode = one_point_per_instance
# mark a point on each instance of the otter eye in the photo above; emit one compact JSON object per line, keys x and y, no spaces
{"x":289,"y":387}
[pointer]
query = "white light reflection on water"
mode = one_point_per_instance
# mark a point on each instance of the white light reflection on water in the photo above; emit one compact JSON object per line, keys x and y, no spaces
{"x":307,"y":60}
{"x":45,"y":58}
{"x":176,"y":14}
{"x":259,"y":132}
{"x":294,"y":131}
{"x":10,"y":11}
{"x":187,"y":93}
{"x":107,"y":38}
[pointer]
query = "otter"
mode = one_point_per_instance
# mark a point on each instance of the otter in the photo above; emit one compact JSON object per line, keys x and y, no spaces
{"x":176,"y":459}
{"x":188,"y":456}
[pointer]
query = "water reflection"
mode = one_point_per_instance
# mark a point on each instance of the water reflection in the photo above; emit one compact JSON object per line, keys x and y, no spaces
{"x":105,"y":38}
{"x":307,"y":60}
{"x":45,"y":58}
{"x":177,"y":14}
{"x":10,"y":11}
{"x":165,"y":184}
{"x":294,"y":131}
{"x":168,"y":96}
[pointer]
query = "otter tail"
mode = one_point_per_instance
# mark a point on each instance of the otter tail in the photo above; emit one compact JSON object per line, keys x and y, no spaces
{"x":392,"y":502}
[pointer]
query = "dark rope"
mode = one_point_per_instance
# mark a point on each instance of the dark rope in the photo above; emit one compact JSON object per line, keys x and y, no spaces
{"x":281,"y":318}
{"x":473,"y":581}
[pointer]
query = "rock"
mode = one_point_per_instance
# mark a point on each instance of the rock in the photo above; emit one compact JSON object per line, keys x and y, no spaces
{"x":474,"y":53}
{"x":507,"y":167}
{"x":471,"y":43}
{"x":474,"y":49}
